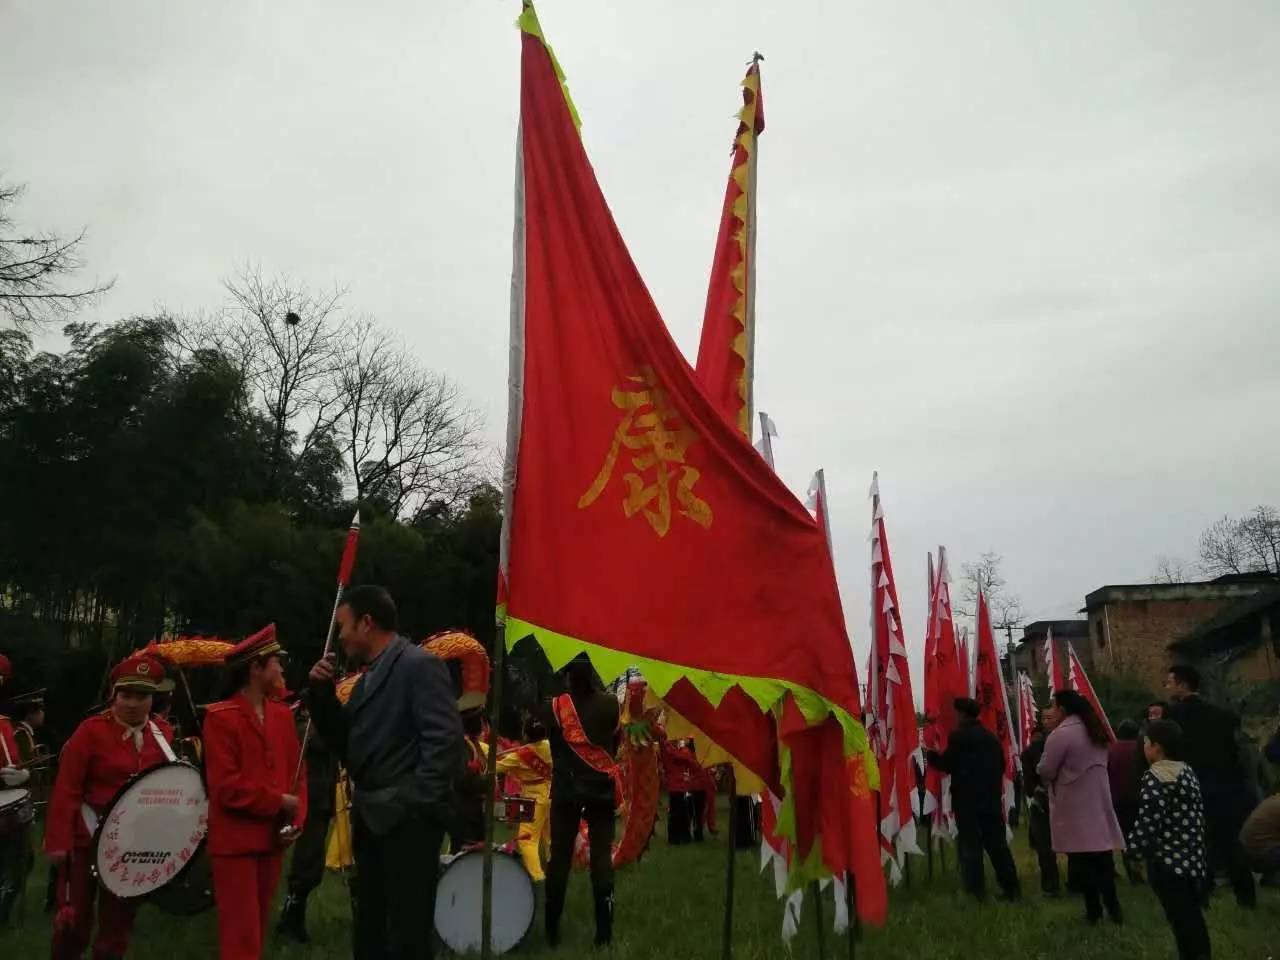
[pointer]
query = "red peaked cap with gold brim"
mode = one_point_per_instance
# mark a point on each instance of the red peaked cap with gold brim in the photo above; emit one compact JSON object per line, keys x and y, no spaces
{"x":140,"y":674}
{"x":260,"y":644}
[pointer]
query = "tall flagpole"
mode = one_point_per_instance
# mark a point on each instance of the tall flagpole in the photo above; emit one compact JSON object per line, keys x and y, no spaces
{"x":515,"y":413}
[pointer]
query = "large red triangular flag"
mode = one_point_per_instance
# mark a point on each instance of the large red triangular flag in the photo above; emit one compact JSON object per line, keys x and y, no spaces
{"x":639,"y":526}
{"x":990,"y":693}
{"x":945,"y":679}
{"x":1026,"y":711}
{"x":890,"y":710}
{"x":1079,"y":682}
{"x":1053,"y":664}
{"x":734,"y":729}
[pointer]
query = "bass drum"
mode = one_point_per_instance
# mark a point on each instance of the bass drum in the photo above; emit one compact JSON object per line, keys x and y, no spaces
{"x":152,"y":832}
{"x":459,"y":895}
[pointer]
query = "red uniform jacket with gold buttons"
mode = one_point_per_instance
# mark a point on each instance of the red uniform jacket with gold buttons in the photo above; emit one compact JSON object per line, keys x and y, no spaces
{"x":96,"y":762}
{"x":249,"y":766}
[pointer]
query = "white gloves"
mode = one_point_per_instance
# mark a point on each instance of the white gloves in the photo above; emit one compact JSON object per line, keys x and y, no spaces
{"x":13,"y":777}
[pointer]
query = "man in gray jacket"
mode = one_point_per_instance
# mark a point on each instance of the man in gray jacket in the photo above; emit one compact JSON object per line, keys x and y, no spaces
{"x":400,"y":737}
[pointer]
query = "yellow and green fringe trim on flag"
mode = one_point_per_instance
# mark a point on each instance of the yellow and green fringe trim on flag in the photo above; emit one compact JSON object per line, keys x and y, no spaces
{"x":528,"y":23}
{"x":768,"y":693}
{"x":743,"y":147}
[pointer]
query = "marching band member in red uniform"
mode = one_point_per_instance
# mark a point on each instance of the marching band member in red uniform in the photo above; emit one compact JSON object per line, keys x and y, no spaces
{"x":14,"y":844}
{"x":102,"y":755}
{"x":251,"y":753}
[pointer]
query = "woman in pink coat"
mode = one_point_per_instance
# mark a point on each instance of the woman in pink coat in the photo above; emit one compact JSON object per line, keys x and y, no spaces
{"x":1082,"y":819}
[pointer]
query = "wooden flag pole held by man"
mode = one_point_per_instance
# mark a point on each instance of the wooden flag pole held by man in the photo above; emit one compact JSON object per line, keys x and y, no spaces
{"x":345,"y":566}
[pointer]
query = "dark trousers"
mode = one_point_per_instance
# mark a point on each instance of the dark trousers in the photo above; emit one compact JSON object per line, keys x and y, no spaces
{"x":79,"y":890}
{"x":1038,"y":833}
{"x":679,"y":818}
{"x":1180,"y":897}
{"x":395,"y":888}
{"x":15,"y":860}
{"x":979,"y":831}
{"x":468,"y":824}
{"x":1094,"y":876}
{"x":697,"y":812}
{"x":566,"y":813}
{"x":306,"y":869}
{"x":1224,"y":815}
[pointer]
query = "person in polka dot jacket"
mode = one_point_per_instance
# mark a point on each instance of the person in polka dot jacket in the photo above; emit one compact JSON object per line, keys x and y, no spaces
{"x":1169,"y":833}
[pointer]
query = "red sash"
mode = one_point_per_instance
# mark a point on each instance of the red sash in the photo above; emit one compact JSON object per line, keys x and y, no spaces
{"x":594,"y":756}
{"x":529,"y":757}
{"x":475,"y":755}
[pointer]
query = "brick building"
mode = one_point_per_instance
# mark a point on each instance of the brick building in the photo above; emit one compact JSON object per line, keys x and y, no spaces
{"x":1238,"y":648}
{"x":1131,"y":627}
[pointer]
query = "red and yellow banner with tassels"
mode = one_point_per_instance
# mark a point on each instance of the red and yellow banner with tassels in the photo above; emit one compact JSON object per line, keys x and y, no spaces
{"x":640,"y":527}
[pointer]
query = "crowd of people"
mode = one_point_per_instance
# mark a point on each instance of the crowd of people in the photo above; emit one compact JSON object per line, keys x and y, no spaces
{"x":401,"y":738}
{"x":1178,"y":796}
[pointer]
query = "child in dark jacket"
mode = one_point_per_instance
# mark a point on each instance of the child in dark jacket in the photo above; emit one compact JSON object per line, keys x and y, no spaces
{"x":1169,"y":833}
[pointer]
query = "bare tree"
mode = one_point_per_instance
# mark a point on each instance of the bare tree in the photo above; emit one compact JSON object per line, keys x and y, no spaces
{"x":33,"y":269}
{"x":1171,"y":570}
{"x":408,"y":435}
{"x":1243,"y":545}
{"x":1260,"y":529}
{"x":1005,"y":608}
{"x":289,"y":341}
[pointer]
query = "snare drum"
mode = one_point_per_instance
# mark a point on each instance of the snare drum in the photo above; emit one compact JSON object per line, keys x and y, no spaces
{"x":152,"y":831}
{"x":459,"y":894}
{"x":16,"y":810}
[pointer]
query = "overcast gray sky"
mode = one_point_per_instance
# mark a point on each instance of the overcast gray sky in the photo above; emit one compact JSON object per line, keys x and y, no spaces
{"x":1019,"y":257}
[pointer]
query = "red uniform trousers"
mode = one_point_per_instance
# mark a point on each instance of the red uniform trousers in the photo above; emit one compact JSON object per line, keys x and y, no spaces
{"x":115,"y":916}
{"x":243,"y":887}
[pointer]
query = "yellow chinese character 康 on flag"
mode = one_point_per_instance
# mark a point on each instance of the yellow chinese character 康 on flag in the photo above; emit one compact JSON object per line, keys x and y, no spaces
{"x":660,"y":439}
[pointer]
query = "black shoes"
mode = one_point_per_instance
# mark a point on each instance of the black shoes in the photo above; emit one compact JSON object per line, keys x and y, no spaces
{"x":293,"y":919}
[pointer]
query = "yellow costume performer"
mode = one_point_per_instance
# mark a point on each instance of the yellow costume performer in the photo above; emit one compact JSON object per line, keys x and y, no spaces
{"x":530,"y":764}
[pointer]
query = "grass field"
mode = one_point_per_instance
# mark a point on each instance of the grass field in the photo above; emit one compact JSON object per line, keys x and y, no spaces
{"x":670,"y":907}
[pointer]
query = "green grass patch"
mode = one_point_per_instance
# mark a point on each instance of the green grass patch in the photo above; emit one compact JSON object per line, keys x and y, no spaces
{"x":671,"y":907}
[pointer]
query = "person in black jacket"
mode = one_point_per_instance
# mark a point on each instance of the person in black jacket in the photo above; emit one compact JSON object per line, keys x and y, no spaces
{"x":400,"y":736}
{"x":1209,"y":746}
{"x":1039,"y":832}
{"x":975,"y":760}
{"x":583,"y":730}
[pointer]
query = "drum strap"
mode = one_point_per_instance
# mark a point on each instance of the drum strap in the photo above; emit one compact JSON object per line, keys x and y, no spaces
{"x":8,"y":760}
{"x":161,"y":742}
{"x":89,"y":815}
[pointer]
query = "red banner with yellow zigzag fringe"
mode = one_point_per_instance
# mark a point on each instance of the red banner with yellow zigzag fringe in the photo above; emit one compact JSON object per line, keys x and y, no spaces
{"x":725,"y":353}
{"x":640,"y":526}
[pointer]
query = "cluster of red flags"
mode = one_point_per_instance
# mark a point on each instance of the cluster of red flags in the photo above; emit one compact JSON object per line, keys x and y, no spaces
{"x":1073,"y":677}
